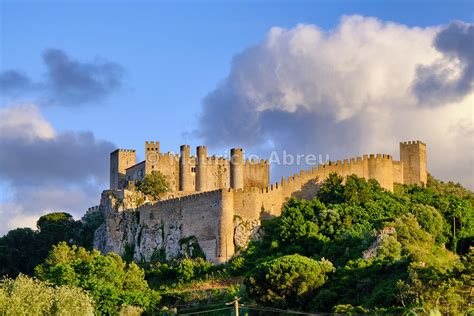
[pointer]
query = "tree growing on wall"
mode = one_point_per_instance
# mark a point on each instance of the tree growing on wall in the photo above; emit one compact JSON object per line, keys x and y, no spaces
{"x":153,"y":184}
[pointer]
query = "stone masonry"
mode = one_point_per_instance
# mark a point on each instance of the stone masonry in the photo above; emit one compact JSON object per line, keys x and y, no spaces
{"x":220,"y":202}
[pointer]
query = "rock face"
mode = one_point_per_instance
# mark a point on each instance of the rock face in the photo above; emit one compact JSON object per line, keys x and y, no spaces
{"x":246,"y":230}
{"x":181,"y":226}
{"x":374,"y":248}
{"x":120,"y":226}
{"x":121,"y":230}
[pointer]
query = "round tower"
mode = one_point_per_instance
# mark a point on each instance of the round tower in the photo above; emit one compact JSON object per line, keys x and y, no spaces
{"x":201,"y":168}
{"x":237,"y":168}
{"x":185,"y":179}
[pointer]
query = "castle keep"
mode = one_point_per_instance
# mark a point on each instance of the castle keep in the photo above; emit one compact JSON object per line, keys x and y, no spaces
{"x":186,"y":173}
{"x":218,"y":203}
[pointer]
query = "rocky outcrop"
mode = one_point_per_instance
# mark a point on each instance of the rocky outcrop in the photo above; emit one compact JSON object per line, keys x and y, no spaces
{"x":246,"y":230}
{"x":120,"y":223}
{"x":184,"y":226}
{"x":374,"y":248}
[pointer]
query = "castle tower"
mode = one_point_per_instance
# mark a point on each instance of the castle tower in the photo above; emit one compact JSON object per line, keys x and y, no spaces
{"x":413,"y":157}
{"x":120,"y":160}
{"x":185,"y":178}
{"x":237,"y":168}
{"x":152,"y":156}
{"x":201,"y":168}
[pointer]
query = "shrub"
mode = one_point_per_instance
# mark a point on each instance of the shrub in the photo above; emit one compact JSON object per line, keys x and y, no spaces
{"x":26,"y":296}
{"x":288,"y":281}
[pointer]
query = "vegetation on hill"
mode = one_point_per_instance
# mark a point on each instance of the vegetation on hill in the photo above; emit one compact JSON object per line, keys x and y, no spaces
{"x":26,"y":296}
{"x":354,"y":248}
{"x":419,"y":236}
{"x":109,"y":280}
{"x":22,"y":249}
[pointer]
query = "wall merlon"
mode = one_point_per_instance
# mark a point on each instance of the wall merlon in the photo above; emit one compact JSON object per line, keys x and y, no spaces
{"x":124,"y":150}
{"x":152,"y":142}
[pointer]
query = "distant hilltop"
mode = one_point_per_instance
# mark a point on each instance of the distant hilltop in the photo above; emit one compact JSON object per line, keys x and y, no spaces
{"x":218,"y":203}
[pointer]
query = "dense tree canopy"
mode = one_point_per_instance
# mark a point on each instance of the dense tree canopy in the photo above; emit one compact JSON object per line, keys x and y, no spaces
{"x":354,"y":248}
{"x":108,"y":279}
{"x":388,"y":249}
{"x":22,"y":249}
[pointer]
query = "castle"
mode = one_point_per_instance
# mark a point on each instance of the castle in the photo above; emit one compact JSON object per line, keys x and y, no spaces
{"x":219,"y":203}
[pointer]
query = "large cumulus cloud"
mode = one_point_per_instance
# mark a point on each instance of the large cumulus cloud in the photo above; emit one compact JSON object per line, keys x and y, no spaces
{"x":354,"y":89}
{"x":46,"y":170}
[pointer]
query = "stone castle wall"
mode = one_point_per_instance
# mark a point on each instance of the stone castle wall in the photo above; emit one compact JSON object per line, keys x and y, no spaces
{"x":221,"y":218}
{"x":188,"y":173}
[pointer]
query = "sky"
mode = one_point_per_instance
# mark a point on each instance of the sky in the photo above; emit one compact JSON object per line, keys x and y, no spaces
{"x":343,"y":78}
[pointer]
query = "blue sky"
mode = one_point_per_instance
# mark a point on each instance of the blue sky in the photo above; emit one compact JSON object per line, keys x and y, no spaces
{"x":171,"y":55}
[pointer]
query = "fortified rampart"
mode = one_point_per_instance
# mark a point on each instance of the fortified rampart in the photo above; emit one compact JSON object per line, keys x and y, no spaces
{"x":234,"y":196}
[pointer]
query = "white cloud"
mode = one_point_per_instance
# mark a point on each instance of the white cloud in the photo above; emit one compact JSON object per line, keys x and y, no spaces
{"x":24,"y":121}
{"x":29,"y":203}
{"x":344,"y":92}
{"x":43,"y":171}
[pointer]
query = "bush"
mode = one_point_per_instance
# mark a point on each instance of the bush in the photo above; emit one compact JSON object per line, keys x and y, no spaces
{"x":189,"y":269}
{"x":288,"y":281}
{"x":26,"y":296}
{"x":154,"y":184}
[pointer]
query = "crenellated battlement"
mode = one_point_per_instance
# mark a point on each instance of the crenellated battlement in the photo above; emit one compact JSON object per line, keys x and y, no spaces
{"x":93,"y":209}
{"x":413,"y":142}
{"x":208,"y":193}
{"x":189,"y":197}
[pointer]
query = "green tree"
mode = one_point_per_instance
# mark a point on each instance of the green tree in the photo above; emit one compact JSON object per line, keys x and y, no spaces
{"x":26,"y":296}
{"x":18,"y":252}
{"x":109,"y":280}
{"x":356,"y":190}
{"x":431,"y":220}
{"x":332,"y":190}
{"x":56,"y":227}
{"x":153,"y":184}
{"x":288,"y":281}
{"x":90,"y":222}
{"x":22,"y":249}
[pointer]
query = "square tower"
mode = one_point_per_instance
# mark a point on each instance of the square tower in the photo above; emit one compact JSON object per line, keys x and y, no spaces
{"x":152,"y":156}
{"x":413,"y":157}
{"x":120,"y":160}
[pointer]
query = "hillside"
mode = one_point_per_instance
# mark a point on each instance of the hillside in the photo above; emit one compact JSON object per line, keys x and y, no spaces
{"x":354,"y":248}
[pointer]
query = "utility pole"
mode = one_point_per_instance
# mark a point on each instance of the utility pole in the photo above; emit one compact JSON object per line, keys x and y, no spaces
{"x":235,"y":302}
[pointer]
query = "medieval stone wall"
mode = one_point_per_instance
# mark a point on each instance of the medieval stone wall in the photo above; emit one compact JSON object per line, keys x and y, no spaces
{"x":225,"y":214}
{"x":164,"y":224}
